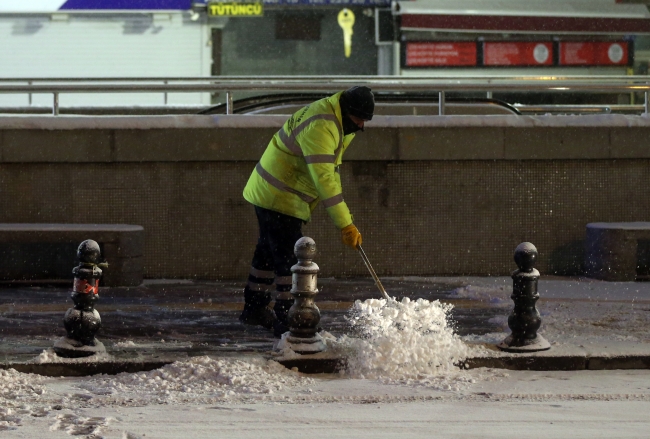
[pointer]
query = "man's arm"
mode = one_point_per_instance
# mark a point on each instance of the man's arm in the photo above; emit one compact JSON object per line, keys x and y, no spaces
{"x":319,"y":143}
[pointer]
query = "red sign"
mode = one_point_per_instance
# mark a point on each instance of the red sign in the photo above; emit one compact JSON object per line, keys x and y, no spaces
{"x":593,"y":53}
{"x":518,"y":54}
{"x":440,"y":54}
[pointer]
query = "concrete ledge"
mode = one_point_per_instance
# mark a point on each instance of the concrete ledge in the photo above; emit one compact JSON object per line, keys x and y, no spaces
{"x":122,"y":247}
{"x":138,"y":122}
{"x":611,"y":249}
{"x":527,"y":363}
{"x":306,"y":364}
{"x":311,"y":365}
{"x":110,"y":139}
{"x":619,"y":362}
{"x":270,"y":121}
{"x":561,"y":363}
{"x":85,"y":369}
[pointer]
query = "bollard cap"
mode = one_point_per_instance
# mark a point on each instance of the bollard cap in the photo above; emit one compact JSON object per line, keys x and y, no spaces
{"x":89,"y":252}
{"x":526,"y":256}
{"x":305,"y":249}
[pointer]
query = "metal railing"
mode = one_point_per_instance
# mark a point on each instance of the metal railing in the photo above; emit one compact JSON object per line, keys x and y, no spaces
{"x":231,"y":84}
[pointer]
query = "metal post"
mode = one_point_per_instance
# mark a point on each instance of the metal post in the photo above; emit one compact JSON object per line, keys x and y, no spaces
{"x":441,"y":103}
{"x":166,"y":82}
{"x":524,"y":321}
{"x":489,"y":95}
{"x":55,"y":106}
{"x":83,"y":321}
{"x":229,"y":109}
{"x":646,"y":104}
{"x":397,"y":67}
{"x":304,"y":315}
{"x":30,"y":94}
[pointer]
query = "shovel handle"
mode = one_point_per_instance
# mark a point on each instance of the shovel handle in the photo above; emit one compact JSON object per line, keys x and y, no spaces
{"x":382,"y":290}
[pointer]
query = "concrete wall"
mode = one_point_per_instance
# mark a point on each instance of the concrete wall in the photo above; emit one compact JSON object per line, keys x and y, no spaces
{"x":431,"y":195}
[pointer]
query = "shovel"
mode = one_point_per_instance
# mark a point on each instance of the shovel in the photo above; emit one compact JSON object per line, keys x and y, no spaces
{"x":382,"y":290}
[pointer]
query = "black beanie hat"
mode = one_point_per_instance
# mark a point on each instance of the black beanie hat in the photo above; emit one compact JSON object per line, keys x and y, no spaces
{"x":358,"y":101}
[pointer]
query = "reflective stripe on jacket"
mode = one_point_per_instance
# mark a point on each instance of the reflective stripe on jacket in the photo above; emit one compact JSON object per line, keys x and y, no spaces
{"x":298,"y":167}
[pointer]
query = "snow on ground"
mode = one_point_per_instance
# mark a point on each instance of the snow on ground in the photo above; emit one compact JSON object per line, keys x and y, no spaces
{"x":18,"y":394}
{"x":402,"y":360}
{"x":590,"y":322}
{"x":500,"y":288}
{"x":195,"y":380}
{"x":496,"y":294}
{"x":582,"y":310}
{"x":407,"y":343}
{"x":500,"y":404}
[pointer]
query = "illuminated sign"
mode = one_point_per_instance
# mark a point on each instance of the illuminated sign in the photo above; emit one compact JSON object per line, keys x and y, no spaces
{"x":517,"y":53}
{"x":235,"y":9}
{"x":426,"y":54}
{"x":594,"y":53}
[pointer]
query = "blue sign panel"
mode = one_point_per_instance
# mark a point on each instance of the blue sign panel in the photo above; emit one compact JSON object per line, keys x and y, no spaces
{"x":118,"y":5}
{"x":45,"y":6}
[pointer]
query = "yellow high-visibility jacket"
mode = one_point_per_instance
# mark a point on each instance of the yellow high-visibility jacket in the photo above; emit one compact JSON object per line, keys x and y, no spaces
{"x":299,"y":166}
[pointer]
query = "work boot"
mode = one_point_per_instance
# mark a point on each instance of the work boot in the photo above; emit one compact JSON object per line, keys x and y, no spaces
{"x":281,"y":309}
{"x":256,"y":310}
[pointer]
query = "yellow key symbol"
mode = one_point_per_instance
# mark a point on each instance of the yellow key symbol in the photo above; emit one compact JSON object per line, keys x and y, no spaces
{"x":346,"y":21}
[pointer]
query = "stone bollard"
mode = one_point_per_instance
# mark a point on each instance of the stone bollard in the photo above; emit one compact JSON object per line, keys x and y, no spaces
{"x":82,"y":321}
{"x":524,"y":321}
{"x":304,"y":315}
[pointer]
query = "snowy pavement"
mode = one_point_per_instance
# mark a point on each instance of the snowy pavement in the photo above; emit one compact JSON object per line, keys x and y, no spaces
{"x":498,"y":404}
{"x":246,"y":395}
{"x":181,"y":318}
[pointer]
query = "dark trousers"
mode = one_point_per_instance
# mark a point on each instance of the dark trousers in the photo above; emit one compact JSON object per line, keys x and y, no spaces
{"x":273,"y":257}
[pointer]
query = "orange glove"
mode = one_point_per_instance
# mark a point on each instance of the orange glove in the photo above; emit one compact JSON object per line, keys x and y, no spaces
{"x":351,"y":236}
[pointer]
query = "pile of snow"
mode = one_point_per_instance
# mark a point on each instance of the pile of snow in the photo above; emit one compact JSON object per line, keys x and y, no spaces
{"x":403,"y":341}
{"x":17,"y":391}
{"x":199,"y":377}
{"x":16,"y":386}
